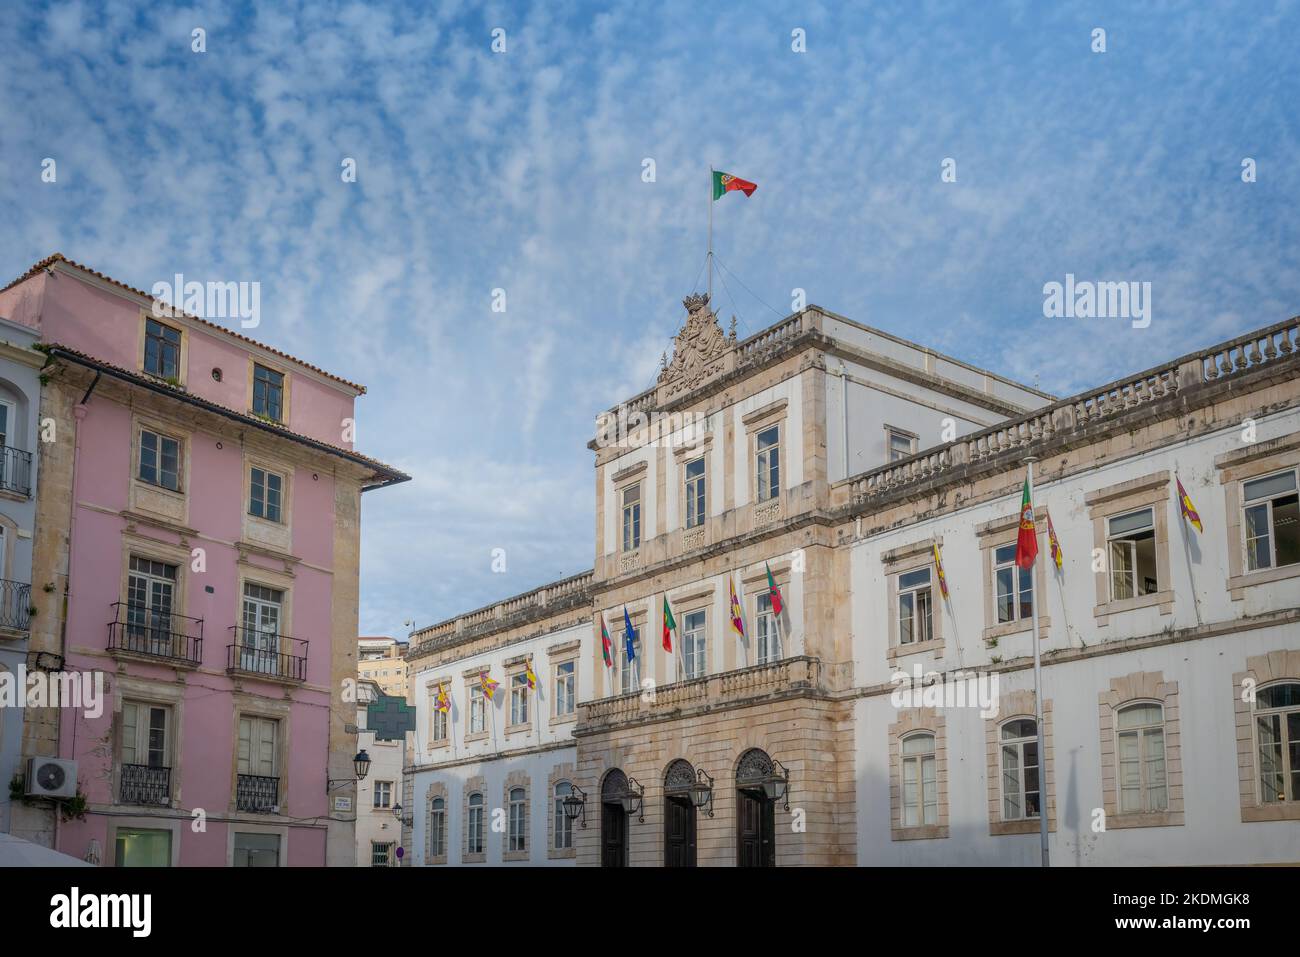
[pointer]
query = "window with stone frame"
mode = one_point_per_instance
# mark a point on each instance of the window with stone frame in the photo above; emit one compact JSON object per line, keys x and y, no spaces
{"x":519,"y":692}
{"x":437,"y":830}
{"x":915,"y":607}
{"x":566,"y":687}
{"x":1130,"y":523}
{"x":694,"y":638}
{"x":477,"y":709}
{"x":695,"y":492}
{"x":1015,"y":795}
{"x":562,"y":827}
{"x":1141,"y":752}
{"x":475,"y":825}
{"x":918,"y":784}
{"x":1271,"y":520}
{"x":160,"y":460}
{"x":629,"y":669}
{"x":1266,"y":699}
{"x":162,"y":350}
{"x":1131,"y":552}
{"x":517,"y":817}
{"x":767,"y":464}
{"x":1020,"y":769}
{"x":631,"y":502}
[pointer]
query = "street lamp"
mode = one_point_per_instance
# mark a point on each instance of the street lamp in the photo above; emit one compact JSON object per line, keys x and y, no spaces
{"x":361,"y":764}
{"x":575,"y":805}
{"x":404,"y":821}
{"x":776,"y":785}
{"x":633,"y":799}
{"x":702,"y":790}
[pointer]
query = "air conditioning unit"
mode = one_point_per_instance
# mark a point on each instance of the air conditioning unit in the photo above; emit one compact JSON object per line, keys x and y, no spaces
{"x":51,"y":778}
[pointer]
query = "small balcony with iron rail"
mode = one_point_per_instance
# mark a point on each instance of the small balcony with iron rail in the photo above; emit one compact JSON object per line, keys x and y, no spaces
{"x":150,"y":634}
{"x":264,"y":654}
{"x":257,"y":794}
{"x":145,"y":784}
{"x":15,"y":471}
{"x":15,"y":609}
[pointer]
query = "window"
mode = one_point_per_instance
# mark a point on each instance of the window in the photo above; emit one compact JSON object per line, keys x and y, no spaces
{"x":519,"y":699}
{"x":629,"y":670}
{"x":383,"y":794}
{"x":565,"y":687}
{"x":257,"y":850}
{"x":439,"y":724}
{"x":268,"y":393}
{"x":1013,"y":587}
{"x":695,"y":492}
{"x":137,"y":847}
{"x":769,"y":463}
{"x":1131,"y":540}
{"x":1020,"y":788}
{"x":920,"y":784}
{"x":901,"y":444}
{"x":265,"y":493}
{"x":693,"y":645}
{"x":767,"y":628}
{"x":474,"y":825}
{"x":257,"y":746}
{"x":632,"y":517}
{"x":150,"y":589}
{"x":144,"y":734}
{"x":563,"y":826}
{"x":437,"y":827}
{"x":1141,"y":754}
{"x":6,"y":418}
{"x":518,"y":815}
{"x":260,"y":642}
{"x":162,"y":350}
{"x":160,"y":460}
{"x":1272,"y":521}
{"x":1277,"y":732}
{"x":914,"y":622}
{"x":477,"y":710}
{"x":381,"y":855}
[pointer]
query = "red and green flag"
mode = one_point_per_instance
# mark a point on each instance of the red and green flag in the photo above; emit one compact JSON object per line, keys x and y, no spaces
{"x":726,"y":183}
{"x":605,"y":643}
{"x":670,"y":623}
{"x":1027,"y":542}
{"x":773,"y":592}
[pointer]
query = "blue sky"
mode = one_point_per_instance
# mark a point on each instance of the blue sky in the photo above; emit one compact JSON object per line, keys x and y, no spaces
{"x":523,"y":171}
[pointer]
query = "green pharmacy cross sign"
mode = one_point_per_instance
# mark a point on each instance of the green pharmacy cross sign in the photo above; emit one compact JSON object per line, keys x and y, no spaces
{"x":390,"y":717}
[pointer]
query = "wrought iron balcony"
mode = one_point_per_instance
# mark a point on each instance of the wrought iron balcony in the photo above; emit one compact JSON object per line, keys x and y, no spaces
{"x":15,"y":605}
{"x":145,"y":784}
{"x":145,"y":631}
{"x":267,"y":655}
{"x":15,"y":470}
{"x":257,"y":793}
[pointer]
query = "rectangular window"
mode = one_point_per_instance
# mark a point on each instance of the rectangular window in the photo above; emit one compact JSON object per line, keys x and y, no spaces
{"x":1271,"y":521}
{"x":768,"y":479}
{"x":1020,"y":791}
{"x":693,"y":645}
{"x":1131,"y":538}
{"x":632,"y":517}
{"x":474,"y":843}
{"x":381,"y":855}
{"x":162,"y":350}
{"x":920,"y":782}
{"x":137,"y":847}
{"x":629,"y":669}
{"x":1013,"y":587}
{"x":260,"y":640}
{"x":257,"y":746}
{"x":519,"y":699}
{"x":383,"y":794}
{"x":767,"y":628}
{"x":565,"y":687}
{"x":477,"y":710}
{"x":268,"y":393}
{"x":1141,"y":756}
{"x":150,"y":589}
{"x":901,"y":445}
{"x":144,"y":734}
{"x":563,"y":826}
{"x":518,"y":833}
{"x":914,"y":607}
{"x":695,"y":492}
{"x":257,"y":850}
{"x":439,"y":725}
{"x":438,"y":828}
{"x":265,"y":492}
{"x":160,"y":460}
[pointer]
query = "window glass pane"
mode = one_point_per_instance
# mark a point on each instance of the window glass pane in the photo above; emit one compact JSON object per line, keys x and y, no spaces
{"x":1268,"y":730}
{"x":1020,"y":728}
{"x":1004,"y":555}
{"x":1140,"y":715}
{"x":919,"y":744}
{"x":1278,"y":696}
{"x":1268,"y":486}
{"x":912,"y":579}
{"x":1130,"y":522}
{"x":1259,"y":549}
{"x":1005,"y":600}
{"x":1286,"y":529}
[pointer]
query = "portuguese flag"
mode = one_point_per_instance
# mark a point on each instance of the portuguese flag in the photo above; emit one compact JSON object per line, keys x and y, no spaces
{"x":1027,"y":542}
{"x":670,"y":624}
{"x":604,"y":643}
{"x":726,"y":183}
{"x":773,"y":591}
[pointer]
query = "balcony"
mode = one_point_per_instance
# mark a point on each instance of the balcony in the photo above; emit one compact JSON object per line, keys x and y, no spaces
{"x":145,"y":784}
{"x":15,"y":471}
{"x":137,"y":631}
{"x":264,"y":654}
{"x":15,"y":605}
{"x":257,"y":794}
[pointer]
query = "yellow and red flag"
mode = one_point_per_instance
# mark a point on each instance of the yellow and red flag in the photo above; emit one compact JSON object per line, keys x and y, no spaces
{"x":1187,"y":508}
{"x":724,"y":183}
{"x":487,"y":684}
{"x":442,"y":702}
{"x":1057,"y":555}
{"x":529,"y":676}
{"x":1027,"y":542}
{"x":938,"y":568}
{"x":737,"y":622}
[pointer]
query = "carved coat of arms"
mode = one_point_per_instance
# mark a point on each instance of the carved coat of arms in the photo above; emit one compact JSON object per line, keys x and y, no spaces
{"x":698,"y":349}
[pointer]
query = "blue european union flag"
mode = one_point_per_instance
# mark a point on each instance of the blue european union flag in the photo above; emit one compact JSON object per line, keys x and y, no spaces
{"x":629,"y":635}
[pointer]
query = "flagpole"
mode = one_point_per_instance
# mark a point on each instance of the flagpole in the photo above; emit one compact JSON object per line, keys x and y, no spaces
{"x":1038,"y":688}
{"x":1187,"y":548}
{"x":710,"y":256}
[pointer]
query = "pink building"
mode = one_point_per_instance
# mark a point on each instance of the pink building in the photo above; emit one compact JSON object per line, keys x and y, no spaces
{"x":199,"y":507}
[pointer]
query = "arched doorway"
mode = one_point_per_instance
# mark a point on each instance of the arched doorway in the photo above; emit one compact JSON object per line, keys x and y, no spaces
{"x":679,"y":815}
{"x":755,"y":811}
{"x":613,"y":820}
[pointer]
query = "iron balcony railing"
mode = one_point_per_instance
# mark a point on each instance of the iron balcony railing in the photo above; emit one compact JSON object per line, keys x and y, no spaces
{"x":15,"y":605}
{"x":15,"y":470}
{"x":157,"y":634}
{"x":257,"y":652}
{"x":145,"y":784}
{"x":257,"y":793}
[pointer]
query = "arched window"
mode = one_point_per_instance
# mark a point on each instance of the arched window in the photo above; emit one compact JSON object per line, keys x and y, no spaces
{"x":474,"y":843}
{"x":1020,"y":781}
{"x":920,"y":782}
{"x":563,"y":826}
{"x":518,"y":815}
{"x":1140,"y":740}
{"x":437,"y":827}
{"x":1277,"y":742}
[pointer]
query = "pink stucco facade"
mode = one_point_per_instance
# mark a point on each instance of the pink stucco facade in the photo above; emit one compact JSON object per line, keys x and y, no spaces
{"x":205,"y":553}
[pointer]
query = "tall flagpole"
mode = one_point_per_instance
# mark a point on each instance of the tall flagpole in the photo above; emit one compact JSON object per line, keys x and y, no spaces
{"x":710,"y":256}
{"x":1038,"y":684}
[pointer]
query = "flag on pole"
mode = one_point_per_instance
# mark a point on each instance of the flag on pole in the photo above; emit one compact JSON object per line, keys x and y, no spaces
{"x":737,"y":622}
{"x":1057,"y":555}
{"x":529,"y":676}
{"x":670,"y":623}
{"x":605,"y":643}
{"x":488,"y":685}
{"x":1186,"y":507}
{"x":629,"y":636}
{"x":724,"y":183}
{"x":773,"y":592}
{"x":442,"y":702}
{"x":938,"y":569}
{"x":1027,"y":542}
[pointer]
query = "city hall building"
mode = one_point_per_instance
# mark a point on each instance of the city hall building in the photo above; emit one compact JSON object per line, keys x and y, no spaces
{"x":826,"y":517}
